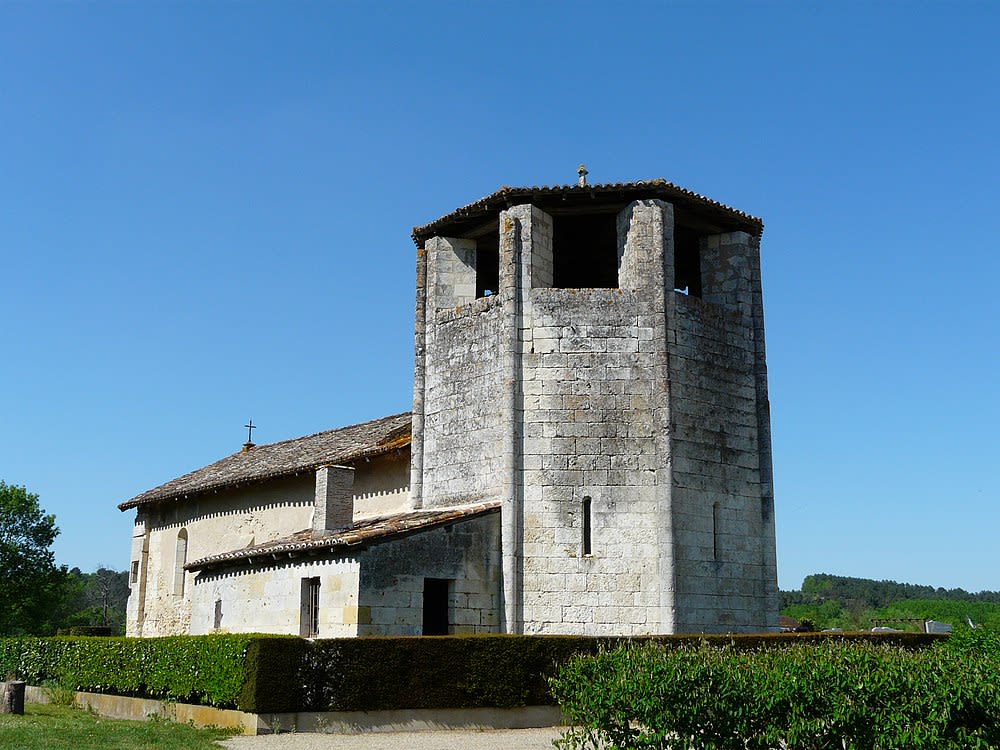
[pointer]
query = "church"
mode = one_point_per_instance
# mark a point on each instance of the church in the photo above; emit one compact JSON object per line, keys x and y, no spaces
{"x":588,"y":451}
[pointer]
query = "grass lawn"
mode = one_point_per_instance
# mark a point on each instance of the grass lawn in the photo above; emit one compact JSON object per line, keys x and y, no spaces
{"x":48,"y":727}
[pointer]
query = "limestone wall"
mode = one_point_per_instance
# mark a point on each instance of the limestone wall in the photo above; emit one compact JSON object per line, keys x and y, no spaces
{"x":233,"y":519}
{"x":381,"y":485}
{"x":716,"y":495}
{"x":589,"y":432}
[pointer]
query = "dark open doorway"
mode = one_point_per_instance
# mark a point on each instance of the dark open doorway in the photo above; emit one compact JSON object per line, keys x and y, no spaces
{"x":436,"y":606}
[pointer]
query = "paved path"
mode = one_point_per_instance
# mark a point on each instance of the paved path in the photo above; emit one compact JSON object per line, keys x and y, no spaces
{"x":452,"y":739}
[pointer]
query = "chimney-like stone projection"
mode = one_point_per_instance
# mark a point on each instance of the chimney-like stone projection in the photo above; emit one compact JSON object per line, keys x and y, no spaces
{"x":334,"y":498}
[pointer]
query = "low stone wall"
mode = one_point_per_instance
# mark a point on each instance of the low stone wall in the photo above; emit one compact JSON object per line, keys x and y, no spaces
{"x":140,"y":709}
{"x":334,"y":722}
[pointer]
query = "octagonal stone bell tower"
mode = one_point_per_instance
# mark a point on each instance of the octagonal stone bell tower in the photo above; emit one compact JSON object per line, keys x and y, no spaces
{"x":592,"y":356}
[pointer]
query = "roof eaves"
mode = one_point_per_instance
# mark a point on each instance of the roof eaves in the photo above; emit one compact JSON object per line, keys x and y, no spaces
{"x":508,"y":196}
{"x":352,"y":537}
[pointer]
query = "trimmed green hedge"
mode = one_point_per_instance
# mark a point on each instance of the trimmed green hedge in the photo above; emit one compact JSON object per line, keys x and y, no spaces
{"x":277,"y":674}
{"x":367,"y":674}
{"x":862,"y":694}
{"x":190,"y":669}
{"x":92,"y":630}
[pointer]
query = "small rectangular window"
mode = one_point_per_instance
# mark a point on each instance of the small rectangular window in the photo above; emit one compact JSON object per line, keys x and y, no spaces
{"x":217,"y":623}
{"x":309,"y":609}
{"x":134,"y":578}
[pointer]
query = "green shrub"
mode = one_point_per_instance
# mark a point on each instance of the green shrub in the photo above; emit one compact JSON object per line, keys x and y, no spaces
{"x":823,"y":693}
{"x":58,"y":695}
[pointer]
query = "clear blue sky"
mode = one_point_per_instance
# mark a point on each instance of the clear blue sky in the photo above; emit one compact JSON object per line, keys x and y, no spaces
{"x":205,"y":212}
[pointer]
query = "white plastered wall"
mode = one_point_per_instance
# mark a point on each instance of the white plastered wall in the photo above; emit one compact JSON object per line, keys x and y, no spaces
{"x":267,"y":599}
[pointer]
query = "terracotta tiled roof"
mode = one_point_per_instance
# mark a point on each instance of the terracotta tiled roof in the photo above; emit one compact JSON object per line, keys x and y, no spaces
{"x":568,"y":196}
{"x":362,"y":533}
{"x":287,"y":457}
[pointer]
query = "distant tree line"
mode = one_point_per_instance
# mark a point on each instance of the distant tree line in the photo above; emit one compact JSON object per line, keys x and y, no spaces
{"x":830,"y":601}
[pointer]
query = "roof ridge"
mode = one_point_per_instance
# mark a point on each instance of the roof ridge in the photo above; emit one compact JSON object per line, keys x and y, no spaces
{"x":283,"y":458}
{"x":321,"y":432}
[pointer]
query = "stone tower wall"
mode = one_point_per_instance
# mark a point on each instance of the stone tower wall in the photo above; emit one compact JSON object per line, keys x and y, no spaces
{"x":588,"y":431}
{"x":644,"y":404}
{"x":716,"y":494}
{"x":591,"y":371}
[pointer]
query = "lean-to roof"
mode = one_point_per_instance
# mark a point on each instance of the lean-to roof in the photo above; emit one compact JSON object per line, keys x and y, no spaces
{"x":467,"y":219}
{"x":355,"y":536}
{"x":286,"y":458}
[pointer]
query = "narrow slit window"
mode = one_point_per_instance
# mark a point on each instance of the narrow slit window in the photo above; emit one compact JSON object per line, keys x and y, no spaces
{"x":217,"y":622}
{"x":587,"y":541}
{"x":715,"y":531}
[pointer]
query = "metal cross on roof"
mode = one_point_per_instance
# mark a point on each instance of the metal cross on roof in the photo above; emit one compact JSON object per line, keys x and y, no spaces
{"x":250,"y":428}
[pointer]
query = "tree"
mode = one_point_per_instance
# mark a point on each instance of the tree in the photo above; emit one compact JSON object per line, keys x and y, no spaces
{"x":97,"y":598}
{"x":110,"y":590}
{"x":31,"y":585}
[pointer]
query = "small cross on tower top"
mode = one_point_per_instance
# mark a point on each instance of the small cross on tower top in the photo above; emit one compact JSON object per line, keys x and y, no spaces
{"x":249,"y":443}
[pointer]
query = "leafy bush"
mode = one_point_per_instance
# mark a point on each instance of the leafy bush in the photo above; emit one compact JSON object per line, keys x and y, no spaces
{"x":822,"y":694}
